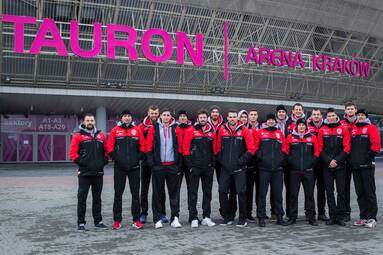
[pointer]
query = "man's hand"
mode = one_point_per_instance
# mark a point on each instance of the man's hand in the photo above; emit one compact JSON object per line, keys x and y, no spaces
{"x":333,"y":163}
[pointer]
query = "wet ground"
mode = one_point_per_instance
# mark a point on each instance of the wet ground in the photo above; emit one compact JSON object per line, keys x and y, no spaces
{"x":38,"y":216}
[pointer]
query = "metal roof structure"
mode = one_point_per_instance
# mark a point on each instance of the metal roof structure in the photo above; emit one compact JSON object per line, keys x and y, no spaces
{"x":248,"y":27}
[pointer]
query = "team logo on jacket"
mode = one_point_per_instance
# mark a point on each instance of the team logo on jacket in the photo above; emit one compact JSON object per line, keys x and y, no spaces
{"x":364,"y":131}
{"x":239,"y":132}
{"x":308,"y":139}
{"x":277,"y":135}
{"x":98,"y":136}
{"x":339,"y":131}
{"x":134,"y":132}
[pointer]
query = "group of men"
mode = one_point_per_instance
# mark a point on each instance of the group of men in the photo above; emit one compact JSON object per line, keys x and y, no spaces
{"x":247,"y":156}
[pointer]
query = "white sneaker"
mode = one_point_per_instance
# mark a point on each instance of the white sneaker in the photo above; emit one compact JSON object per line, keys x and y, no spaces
{"x":158,"y":224}
{"x":175,"y":223}
{"x":207,"y":222}
{"x":371,"y":223}
{"x":194,"y":224}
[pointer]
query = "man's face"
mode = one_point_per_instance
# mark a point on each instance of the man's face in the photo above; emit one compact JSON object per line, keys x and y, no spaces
{"x":271,"y":122}
{"x":301,"y":128}
{"x":127,"y":119}
{"x":89,"y":122}
{"x":165,"y":117}
{"x":298,"y":111}
{"x":253,"y":116}
{"x":350,"y":110}
{"x":214,"y":115}
{"x":202,"y":119}
{"x":281,"y":114}
{"x":183,"y":119}
{"x":361,"y":117}
{"x":316,"y":116}
{"x":153,"y":114}
{"x":243,"y":118}
{"x":232,"y":118}
{"x":331,"y":117}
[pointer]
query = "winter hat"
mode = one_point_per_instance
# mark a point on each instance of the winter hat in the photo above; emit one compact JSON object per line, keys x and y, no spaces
{"x":125,"y":112}
{"x":281,"y":107}
{"x":299,"y":121}
{"x":363,"y":111}
{"x":270,"y":116}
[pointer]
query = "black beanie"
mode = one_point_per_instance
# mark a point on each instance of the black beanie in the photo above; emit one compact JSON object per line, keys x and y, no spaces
{"x":180,"y":112}
{"x":362,"y":111}
{"x":125,"y":112}
{"x":299,"y":121}
{"x":280,"y":107}
{"x":270,"y":116}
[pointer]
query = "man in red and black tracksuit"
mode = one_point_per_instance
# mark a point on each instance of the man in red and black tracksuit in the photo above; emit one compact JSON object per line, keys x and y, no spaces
{"x":348,"y":121}
{"x":235,"y":147}
{"x":199,"y":149}
{"x":314,"y":123}
{"x":126,"y":146}
{"x":365,"y":145}
{"x":334,"y":143}
{"x":303,"y":153}
{"x":164,"y":158}
{"x":297,"y":114}
{"x":250,"y":119}
{"x":146,"y":171}
{"x":88,"y":151}
{"x":183,"y":126}
{"x":271,"y":157}
{"x":216,"y":121}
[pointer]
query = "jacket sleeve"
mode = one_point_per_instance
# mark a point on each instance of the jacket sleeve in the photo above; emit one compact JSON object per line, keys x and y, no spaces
{"x":142,"y":142}
{"x":347,"y":141}
{"x":250,"y":146}
{"x":188,"y":137}
{"x":150,"y":140}
{"x":323,"y":155}
{"x":111,"y":142}
{"x":288,"y":144}
{"x":316,"y":146}
{"x":74,"y":147}
{"x":284,"y":146}
{"x":219,"y":141}
{"x":374,"y":139}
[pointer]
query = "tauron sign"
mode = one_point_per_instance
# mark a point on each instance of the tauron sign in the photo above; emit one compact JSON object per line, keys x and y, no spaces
{"x":48,"y":35}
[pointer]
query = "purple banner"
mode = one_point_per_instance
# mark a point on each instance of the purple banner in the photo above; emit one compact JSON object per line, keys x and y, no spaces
{"x":15,"y":123}
{"x":40,"y":123}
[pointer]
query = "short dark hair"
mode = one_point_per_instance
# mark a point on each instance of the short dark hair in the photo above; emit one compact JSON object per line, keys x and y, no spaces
{"x":166,"y":110}
{"x":316,"y":109}
{"x":153,"y":107}
{"x":231,"y":111}
{"x":297,"y":104}
{"x":348,"y":104}
{"x":202,"y":111}
{"x":253,"y":110}
{"x":329,"y":110}
{"x":88,"y":115}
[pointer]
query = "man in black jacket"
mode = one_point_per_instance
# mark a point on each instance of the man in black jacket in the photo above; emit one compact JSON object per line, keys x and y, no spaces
{"x":164,"y":158}
{"x":88,"y":151}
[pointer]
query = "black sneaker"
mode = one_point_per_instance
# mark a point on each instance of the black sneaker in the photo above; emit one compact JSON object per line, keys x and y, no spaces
{"x":241,"y":223}
{"x":291,"y":221}
{"x":341,"y":223}
{"x":347,"y":218}
{"x":281,"y":222}
{"x":262,"y":223}
{"x":100,"y":226}
{"x":226,"y":222}
{"x":330,"y":222}
{"x":250,"y":218}
{"x":81,"y":227}
{"x":323,"y":217}
{"x":313,"y":222}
